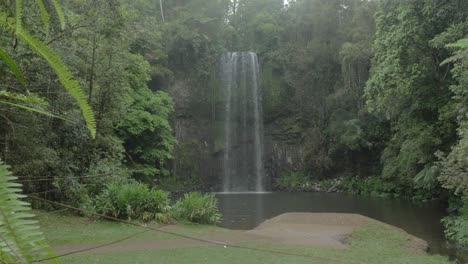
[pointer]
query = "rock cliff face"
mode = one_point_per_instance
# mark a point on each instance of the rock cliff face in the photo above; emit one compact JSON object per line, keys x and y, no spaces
{"x":281,"y":155}
{"x":199,"y":152}
{"x":194,"y":157}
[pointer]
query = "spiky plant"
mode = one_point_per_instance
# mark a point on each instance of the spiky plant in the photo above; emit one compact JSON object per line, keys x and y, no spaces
{"x":11,"y":20}
{"x":20,"y":239}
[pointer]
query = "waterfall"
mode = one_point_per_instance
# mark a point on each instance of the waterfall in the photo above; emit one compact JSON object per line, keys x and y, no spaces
{"x":243,"y":169}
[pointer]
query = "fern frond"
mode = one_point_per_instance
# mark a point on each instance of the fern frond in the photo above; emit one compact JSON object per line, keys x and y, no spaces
{"x":60,"y":13}
{"x":20,"y":240}
{"x":30,"y":99}
{"x":13,"y":67}
{"x":24,"y":107}
{"x":3,"y":18}
{"x":462,"y":43}
{"x":19,"y":14}
{"x":64,"y":75}
{"x":45,"y":17}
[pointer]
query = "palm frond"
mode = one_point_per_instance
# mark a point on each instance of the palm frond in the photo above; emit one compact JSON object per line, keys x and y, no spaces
{"x":60,"y":13}
{"x":13,"y":67}
{"x":20,"y":239}
{"x":45,"y":17}
{"x":64,"y":75}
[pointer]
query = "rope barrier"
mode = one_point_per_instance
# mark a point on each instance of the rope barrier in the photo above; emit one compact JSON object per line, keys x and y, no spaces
{"x":61,"y":178}
{"x":92,"y":248}
{"x":67,"y":177}
{"x":207,"y":241}
{"x":57,"y":211}
{"x":48,"y":191}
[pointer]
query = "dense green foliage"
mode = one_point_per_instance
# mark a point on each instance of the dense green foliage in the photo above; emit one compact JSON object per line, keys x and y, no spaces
{"x":294,"y":181}
{"x":20,"y":238}
{"x":374,"y":91}
{"x":133,"y":201}
{"x":198,"y":208}
{"x":373,"y":94}
{"x":453,"y":166}
{"x":99,"y":47}
{"x":12,"y":21}
{"x":457,"y":226}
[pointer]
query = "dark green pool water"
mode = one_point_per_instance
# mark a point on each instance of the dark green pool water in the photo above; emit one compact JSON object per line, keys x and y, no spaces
{"x":247,"y":210}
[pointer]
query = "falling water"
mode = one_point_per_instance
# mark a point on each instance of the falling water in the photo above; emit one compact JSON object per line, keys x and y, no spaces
{"x":243,"y":124}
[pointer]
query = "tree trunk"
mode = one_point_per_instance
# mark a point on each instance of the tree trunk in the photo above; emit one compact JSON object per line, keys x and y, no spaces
{"x":91,"y":74}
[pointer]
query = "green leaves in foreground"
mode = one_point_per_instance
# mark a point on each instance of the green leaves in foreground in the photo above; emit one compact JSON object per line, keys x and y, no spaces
{"x":64,"y":75}
{"x":61,"y":70}
{"x":12,"y":65}
{"x":198,"y":208}
{"x":461,"y":54}
{"x":20,"y":239}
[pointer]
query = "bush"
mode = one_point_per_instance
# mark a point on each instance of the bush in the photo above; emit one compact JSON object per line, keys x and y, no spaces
{"x":134,"y":201}
{"x":198,"y":208}
{"x":293,"y":181}
{"x":456,"y":227}
{"x":371,"y":186}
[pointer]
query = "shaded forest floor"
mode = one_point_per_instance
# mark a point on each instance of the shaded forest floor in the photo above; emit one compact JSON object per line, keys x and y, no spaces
{"x":367,"y":242}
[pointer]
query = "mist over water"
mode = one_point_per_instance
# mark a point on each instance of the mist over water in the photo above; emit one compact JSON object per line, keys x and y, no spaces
{"x":243,"y":169}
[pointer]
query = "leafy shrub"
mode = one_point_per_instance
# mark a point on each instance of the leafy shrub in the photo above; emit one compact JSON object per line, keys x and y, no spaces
{"x":198,"y":208}
{"x":293,"y":181}
{"x":81,"y":191}
{"x":456,"y":227}
{"x":371,"y":186}
{"x":134,"y":201}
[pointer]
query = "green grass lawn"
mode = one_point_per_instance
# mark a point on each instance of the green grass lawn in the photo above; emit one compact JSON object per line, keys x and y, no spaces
{"x":372,"y":244}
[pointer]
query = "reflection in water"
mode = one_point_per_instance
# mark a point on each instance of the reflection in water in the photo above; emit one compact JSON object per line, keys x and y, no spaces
{"x":248,"y":210}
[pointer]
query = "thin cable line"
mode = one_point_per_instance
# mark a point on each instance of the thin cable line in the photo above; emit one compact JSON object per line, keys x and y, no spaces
{"x":225,"y":245}
{"x":93,"y":248}
{"x":43,"y":192}
{"x":61,"y":178}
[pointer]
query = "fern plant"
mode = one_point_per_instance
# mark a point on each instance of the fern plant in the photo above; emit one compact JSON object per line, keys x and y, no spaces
{"x":12,"y":21}
{"x":20,"y":239}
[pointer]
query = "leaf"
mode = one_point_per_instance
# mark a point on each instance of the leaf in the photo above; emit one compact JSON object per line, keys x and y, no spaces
{"x":453,"y":58}
{"x":60,"y":13}
{"x":64,"y":75}
{"x":45,"y":17}
{"x":13,"y":67}
{"x":30,"y":99}
{"x":34,"y":110}
{"x":18,"y":243}
{"x":460,"y":54}
{"x":19,"y":14}
{"x":462,"y":43}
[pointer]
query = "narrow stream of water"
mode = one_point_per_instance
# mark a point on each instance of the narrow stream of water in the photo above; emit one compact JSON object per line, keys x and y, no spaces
{"x":247,"y":210}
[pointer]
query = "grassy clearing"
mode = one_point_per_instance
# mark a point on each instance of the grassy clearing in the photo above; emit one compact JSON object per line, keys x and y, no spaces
{"x":372,"y":244}
{"x":62,"y":229}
